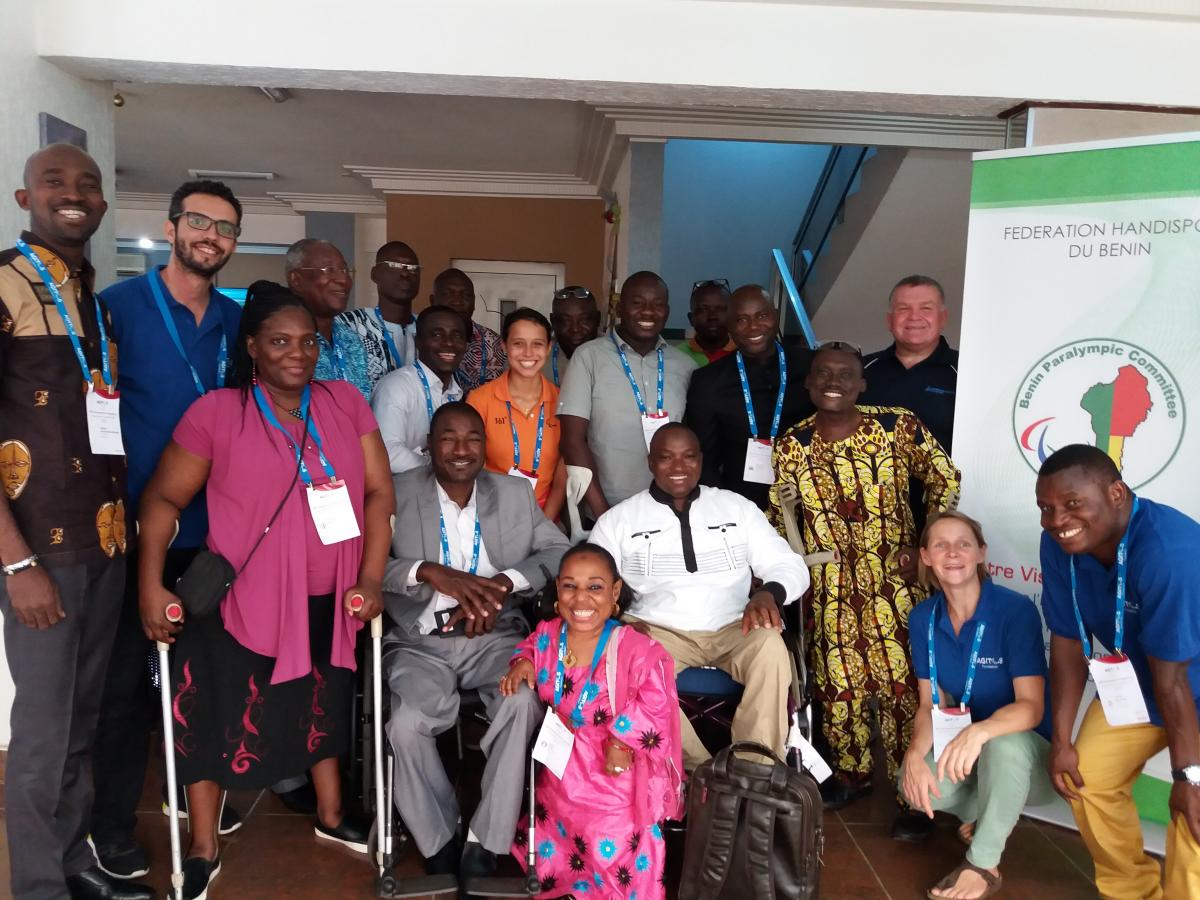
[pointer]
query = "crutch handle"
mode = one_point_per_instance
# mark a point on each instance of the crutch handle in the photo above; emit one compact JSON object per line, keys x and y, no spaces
{"x":377,"y":627}
{"x":357,"y":601}
{"x":174,"y":612}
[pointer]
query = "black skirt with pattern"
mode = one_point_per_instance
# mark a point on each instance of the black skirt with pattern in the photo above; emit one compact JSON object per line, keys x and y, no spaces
{"x":234,"y":727}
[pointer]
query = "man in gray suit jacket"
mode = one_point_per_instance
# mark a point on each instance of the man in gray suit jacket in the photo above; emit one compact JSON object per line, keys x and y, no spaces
{"x":465,"y":542}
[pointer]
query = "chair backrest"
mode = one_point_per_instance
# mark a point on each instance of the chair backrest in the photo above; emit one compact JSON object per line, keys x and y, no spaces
{"x":579,"y":479}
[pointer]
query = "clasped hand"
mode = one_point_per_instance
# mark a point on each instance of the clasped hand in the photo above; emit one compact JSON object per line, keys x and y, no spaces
{"x":479,"y":599}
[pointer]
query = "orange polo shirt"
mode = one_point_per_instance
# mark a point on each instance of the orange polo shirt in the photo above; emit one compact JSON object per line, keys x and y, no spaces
{"x":491,"y":400}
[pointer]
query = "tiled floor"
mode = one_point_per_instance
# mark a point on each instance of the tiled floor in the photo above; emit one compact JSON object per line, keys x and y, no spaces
{"x":275,"y":855}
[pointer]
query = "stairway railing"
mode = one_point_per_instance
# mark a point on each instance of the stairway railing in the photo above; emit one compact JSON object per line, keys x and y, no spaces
{"x":834,"y":184}
{"x":793,"y":318}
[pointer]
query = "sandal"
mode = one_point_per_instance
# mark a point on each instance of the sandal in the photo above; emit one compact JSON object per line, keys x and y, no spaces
{"x":966,"y":833}
{"x":993,"y":882}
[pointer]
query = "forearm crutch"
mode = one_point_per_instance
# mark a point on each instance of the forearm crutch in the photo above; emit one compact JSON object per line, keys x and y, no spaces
{"x":174,"y":614}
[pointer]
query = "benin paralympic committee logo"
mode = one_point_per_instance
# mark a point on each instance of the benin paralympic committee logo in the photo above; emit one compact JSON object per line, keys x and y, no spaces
{"x":1106,"y":392}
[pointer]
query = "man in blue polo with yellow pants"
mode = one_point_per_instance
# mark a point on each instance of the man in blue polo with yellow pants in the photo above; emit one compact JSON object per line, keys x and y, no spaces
{"x":1122,"y":571}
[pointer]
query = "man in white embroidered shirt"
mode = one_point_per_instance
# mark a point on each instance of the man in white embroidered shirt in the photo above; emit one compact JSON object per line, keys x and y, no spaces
{"x":689,"y":553}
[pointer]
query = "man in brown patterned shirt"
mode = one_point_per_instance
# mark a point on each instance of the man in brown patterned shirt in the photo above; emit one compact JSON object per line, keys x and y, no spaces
{"x":63,"y":533}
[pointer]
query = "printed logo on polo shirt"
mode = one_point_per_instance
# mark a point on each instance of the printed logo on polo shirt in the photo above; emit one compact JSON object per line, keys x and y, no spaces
{"x":1106,"y":392}
{"x":990,"y":662}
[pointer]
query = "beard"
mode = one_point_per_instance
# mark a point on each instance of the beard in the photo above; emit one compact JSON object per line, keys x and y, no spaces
{"x":199,"y":265}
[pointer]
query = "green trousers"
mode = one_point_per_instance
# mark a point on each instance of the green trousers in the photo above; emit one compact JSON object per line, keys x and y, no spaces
{"x":1010,"y":773}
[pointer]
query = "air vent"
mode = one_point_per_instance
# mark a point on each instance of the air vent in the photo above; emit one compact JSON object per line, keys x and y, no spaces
{"x":130,"y":264}
{"x":220,"y":175}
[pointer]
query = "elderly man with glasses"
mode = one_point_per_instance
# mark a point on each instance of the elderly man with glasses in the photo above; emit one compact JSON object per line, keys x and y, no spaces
{"x":389,"y":330}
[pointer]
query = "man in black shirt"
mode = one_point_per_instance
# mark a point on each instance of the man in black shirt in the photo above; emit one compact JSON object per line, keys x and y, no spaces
{"x":716,"y":405}
{"x":919,"y":371}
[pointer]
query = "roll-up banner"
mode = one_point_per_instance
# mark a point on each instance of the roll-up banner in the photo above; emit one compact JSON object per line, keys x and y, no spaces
{"x":1080,"y":324}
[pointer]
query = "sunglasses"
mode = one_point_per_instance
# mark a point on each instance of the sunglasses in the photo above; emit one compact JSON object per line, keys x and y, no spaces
{"x":711,"y":282}
{"x":844,"y":346}
{"x":327,"y":271}
{"x":201,"y":222}
{"x":573,"y":293}
{"x":410,"y":268}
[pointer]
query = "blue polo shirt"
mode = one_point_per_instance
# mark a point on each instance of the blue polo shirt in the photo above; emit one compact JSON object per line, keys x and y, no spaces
{"x":156,"y":385}
{"x":1162,"y":590}
{"x":1012,"y":647}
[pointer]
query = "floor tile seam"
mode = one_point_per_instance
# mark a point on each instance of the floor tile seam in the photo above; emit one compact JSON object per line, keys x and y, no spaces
{"x":864,"y":856}
{"x":1046,"y":837}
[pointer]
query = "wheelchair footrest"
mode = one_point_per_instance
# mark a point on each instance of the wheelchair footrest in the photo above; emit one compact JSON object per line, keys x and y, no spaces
{"x":496,"y":887}
{"x":390,"y":886}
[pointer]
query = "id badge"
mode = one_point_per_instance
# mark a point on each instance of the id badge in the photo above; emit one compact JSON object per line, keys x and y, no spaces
{"x":104,"y":423}
{"x":554,"y":744}
{"x":758,"y":462}
{"x":332,"y":512}
{"x":651,"y":424}
{"x":521,"y":473}
{"x":947,"y":725}
{"x":809,"y":757}
{"x":1120,"y":694}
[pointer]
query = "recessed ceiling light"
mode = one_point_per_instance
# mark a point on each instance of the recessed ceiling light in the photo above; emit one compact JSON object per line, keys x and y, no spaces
{"x":145,"y":243}
{"x":221,"y":175}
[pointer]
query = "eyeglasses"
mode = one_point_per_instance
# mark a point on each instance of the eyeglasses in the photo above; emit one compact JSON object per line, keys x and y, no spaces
{"x":410,"y":268}
{"x":711,"y":282}
{"x":327,"y":271}
{"x":844,"y":346}
{"x":573,"y":293}
{"x":201,"y":222}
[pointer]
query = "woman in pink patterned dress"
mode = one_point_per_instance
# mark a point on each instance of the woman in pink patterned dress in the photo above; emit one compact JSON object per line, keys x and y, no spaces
{"x":599,"y":831}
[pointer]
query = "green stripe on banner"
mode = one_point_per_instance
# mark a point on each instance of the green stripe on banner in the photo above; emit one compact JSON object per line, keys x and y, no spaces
{"x":1151,"y":796}
{"x":1088,"y":176}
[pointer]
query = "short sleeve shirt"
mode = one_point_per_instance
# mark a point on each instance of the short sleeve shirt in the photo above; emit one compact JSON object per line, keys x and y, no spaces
{"x":1162,"y":606}
{"x":596,"y":388}
{"x":492,"y":402}
{"x":345,"y":359}
{"x":927,"y":388}
{"x":1013,"y":646}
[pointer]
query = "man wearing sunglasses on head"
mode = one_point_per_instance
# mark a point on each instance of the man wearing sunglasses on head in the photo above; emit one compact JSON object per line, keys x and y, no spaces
{"x":708,"y":314}
{"x":174,"y":333}
{"x":575,"y":317}
{"x":389,"y":330}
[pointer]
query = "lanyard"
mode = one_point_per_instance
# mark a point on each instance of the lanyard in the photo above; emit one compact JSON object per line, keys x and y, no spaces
{"x":778,"y":400}
{"x":72,"y":334}
{"x":419,"y":366}
{"x":339,"y":360}
{"x":637,"y":391}
{"x":173,"y":331}
{"x":1122,"y":567}
{"x":965,"y":700}
{"x":554,"y":363}
{"x":537,"y":448}
{"x":560,"y":673}
{"x":387,"y":336}
{"x":298,"y":445}
{"x":446,"y":543}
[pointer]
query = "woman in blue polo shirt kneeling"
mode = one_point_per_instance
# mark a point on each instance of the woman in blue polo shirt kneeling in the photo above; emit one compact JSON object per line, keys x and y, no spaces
{"x":980,"y":738}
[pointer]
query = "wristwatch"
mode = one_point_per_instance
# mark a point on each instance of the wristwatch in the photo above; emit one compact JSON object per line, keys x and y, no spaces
{"x":1190,"y":774}
{"x":20,"y":565}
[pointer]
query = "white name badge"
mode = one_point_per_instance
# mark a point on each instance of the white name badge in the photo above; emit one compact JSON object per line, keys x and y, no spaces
{"x":809,"y":757}
{"x":758,"y":462}
{"x":520,"y":473}
{"x":651,"y":424}
{"x":104,"y":423}
{"x":554,"y":744}
{"x":1120,"y":694}
{"x":947,"y":725}
{"x":332,"y":512}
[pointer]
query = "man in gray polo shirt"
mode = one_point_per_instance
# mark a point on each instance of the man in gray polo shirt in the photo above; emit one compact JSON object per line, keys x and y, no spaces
{"x":620,"y":388}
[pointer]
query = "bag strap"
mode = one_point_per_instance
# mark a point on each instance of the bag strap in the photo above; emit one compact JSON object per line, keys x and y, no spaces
{"x":760,"y":831}
{"x":283,"y":499}
{"x":722,"y":836}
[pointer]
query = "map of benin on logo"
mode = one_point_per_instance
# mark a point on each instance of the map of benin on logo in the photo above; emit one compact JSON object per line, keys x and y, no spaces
{"x":1108,"y":393}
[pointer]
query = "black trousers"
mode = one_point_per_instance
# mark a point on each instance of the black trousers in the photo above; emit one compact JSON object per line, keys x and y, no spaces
{"x":129,"y":712}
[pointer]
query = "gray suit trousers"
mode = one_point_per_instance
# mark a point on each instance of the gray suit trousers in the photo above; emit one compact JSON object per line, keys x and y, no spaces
{"x":425,"y":674}
{"x":59,"y":677}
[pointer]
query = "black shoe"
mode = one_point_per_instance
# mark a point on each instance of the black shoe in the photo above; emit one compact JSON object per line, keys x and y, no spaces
{"x":351,"y":832}
{"x":911,"y":825}
{"x":836,"y":793}
{"x":302,"y":800}
{"x":445,"y":861}
{"x":121,"y":858}
{"x":477,"y":862}
{"x":198,"y":874}
{"x":231,"y":820}
{"x":93,"y":884}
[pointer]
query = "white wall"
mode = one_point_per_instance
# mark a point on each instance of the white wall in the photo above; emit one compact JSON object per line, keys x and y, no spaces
{"x":370,"y":233}
{"x":257,"y":228}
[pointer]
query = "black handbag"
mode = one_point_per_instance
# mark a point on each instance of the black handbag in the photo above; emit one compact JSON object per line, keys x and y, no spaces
{"x":209,"y":576}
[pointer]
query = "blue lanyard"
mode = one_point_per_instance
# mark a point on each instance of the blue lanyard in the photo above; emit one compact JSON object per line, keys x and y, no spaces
{"x":637,"y":391}
{"x":587,"y":689}
{"x":339,"y":361}
{"x":419,"y":366}
{"x":264,"y":407}
{"x":446,"y":561}
{"x":1122,"y":567}
{"x":173,"y":331}
{"x":537,"y":448}
{"x":72,"y":334}
{"x":554,"y":364}
{"x":778,"y":400}
{"x":387,"y":336}
{"x":965,"y":700}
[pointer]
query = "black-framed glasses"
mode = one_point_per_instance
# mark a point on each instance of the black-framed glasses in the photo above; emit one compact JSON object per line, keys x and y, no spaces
{"x":844,"y":346}
{"x":710,"y":282}
{"x":328,"y":271}
{"x":410,"y":268}
{"x":574,"y":292}
{"x":201,"y":222}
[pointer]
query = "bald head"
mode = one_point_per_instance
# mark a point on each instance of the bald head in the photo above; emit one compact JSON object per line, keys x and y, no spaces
{"x":63,"y":195}
{"x":676,"y":432}
{"x":675,"y":461}
{"x":57,"y":156}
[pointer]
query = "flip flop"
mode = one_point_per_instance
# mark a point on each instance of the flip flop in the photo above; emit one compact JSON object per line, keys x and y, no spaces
{"x":991,"y":881}
{"x":961,"y":831}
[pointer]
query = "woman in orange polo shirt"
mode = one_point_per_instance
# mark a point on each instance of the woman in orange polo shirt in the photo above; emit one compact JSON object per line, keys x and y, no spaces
{"x":519,"y":411}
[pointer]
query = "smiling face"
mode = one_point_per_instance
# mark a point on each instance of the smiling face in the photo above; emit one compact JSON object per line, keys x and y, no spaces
{"x":835,"y":380}
{"x":63,"y":196}
{"x":952,"y":552}
{"x":587,"y":593}
{"x":643,"y":308}
{"x":285,"y":349}
{"x":202,"y":252}
{"x":753,"y":323}
{"x":326,"y":294}
{"x":441,"y":342}
{"x":527,"y":347}
{"x":675,"y":460}
{"x":916,"y":316}
{"x":456,"y":447}
{"x":1080,"y":511}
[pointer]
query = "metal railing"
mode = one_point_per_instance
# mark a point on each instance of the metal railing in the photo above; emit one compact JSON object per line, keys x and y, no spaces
{"x":793,"y":318}
{"x":834,"y":185}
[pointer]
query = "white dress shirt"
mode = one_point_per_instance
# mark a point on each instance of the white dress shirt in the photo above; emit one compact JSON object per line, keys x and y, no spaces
{"x":460,"y":536}
{"x":701,"y":581}
{"x":399,"y":407}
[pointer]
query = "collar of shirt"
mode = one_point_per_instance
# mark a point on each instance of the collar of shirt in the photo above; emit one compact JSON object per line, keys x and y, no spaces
{"x":56,"y":265}
{"x":667,"y":500}
{"x":967,"y":631}
{"x":628,"y":348}
{"x":714,"y":355}
{"x":942,"y":355}
{"x":437,"y":391}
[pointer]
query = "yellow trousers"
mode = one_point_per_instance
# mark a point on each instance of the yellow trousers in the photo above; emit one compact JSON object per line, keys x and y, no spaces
{"x":1110,"y":760}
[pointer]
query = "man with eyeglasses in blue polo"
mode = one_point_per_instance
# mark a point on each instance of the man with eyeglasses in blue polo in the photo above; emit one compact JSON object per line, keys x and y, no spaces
{"x":174,"y":333}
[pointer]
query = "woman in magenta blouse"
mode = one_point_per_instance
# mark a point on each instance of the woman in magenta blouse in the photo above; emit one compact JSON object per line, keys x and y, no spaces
{"x":262,"y":690}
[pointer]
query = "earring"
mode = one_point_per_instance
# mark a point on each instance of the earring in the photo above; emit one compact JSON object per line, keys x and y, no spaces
{"x":254,"y":373}
{"x":616,"y":613}
{"x":556,"y":612}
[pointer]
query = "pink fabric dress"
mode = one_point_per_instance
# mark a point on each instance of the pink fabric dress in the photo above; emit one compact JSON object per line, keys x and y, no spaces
{"x":599,"y":835}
